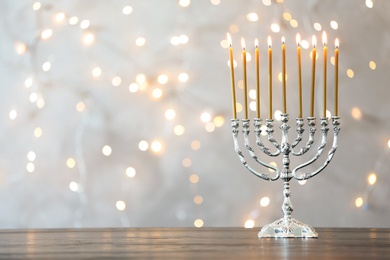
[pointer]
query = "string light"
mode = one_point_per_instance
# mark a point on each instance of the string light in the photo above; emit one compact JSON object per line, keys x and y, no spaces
{"x":205,"y":117}
{"x":13,"y":114}
{"x":250,"y":223}
{"x":252,"y":17}
{"x":96,"y":72}
{"x":71,"y":163}
{"x":143,"y":145}
{"x":198,"y":223}
{"x":186,"y":162}
{"x":120,"y":205}
{"x":130,"y":172}
{"x":74,"y":186}
{"x":127,"y":10}
{"x":107,"y":150}
{"x":195,"y":145}
{"x":170,"y":114}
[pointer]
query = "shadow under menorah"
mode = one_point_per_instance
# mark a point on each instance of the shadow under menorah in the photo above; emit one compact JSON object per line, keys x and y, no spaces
{"x":286,"y":226}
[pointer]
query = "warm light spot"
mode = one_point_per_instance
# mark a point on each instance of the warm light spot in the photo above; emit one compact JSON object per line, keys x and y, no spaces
{"x":280,"y":76}
{"x":46,"y":66}
{"x":252,"y":94}
{"x":156,"y":146}
{"x":183,"y":39}
{"x":252,"y":17}
{"x":372,"y":178}
{"x":88,"y":38}
{"x":140,"y":41}
{"x":31,"y":156}
{"x":266,"y":2}
{"x":13,"y":114}
{"x":40,"y":103}
{"x":252,"y":105}
{"x":46,"y":34}
{"x":234,"y":28}
{"x":71,"y":163}
{"x":334,"y":25}
{"x":175,"y":40}
{"x":218,"y":121}
{"x":143,"y":145}
{"x":264,"y":201}
{"x":388,"y":143}
{"x":294,"y":23}
{"x":186,"y":162}
{"x":130,"y":172}
{"x":107,"y":150}
{"x":30,"y":167}
{"x":33,"y":97}
{"x":60,"y":17}
{"x":198,"y":223}
{"x":210,"y":127}
{"x":328,"y":114}
{"x":332,"y":60}
{"x":372,"y":65}
{"x":183,"y":77}
{"x":179,"y":130}
{"x":127,"y":10}
{"x":195,"y":145}
{"x":287,"y":16}
{"x":20,"y":48}
{"x":162,"y":79}
{"x":356,"y":113}
{"x":224,"y":44}
{"x":263,"y":129}
{"x":84,"y":24}
{"x":369,"y":3}
{"x":37,"y":6}
{"x":170,"y":114}
{"x":133,"y":87}
{"x":194,"y":178}
{"x":239,"y":107}
{"x":73,"y":186}
{"x":120,"y":205}
{"x":234,"y":64}
{"x":275,"y":27}
{"x":96,"y":72}
{"x":317,"y":27}
{"x":250,"y":223}
{"x":73,"y":20}
{"x":303,"y":182}
{"x":215,"y":2}
{"x":350,"y":73}
{"x":28,"y":82}
{"x":157,"y":93}
{"x":140,"y":78}
{"x":305,"y":44}
{"x":80,"y":106}
{"x":278,"y":115}
{"x":205,"y":117}
{"x":311,"y":56}
{"x":273,"y":164}
{"x":198,"y":200}
{"x":38,"y":132}
{"x":116,"y":81}
{"x":184,"y":3}
{"x":359,"y":202}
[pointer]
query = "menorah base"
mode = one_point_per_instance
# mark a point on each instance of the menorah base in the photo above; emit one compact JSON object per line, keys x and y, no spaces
{"x":283,"y":228}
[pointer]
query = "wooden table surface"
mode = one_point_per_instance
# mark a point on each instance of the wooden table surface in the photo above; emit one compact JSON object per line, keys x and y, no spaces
{"x":191,"y":243}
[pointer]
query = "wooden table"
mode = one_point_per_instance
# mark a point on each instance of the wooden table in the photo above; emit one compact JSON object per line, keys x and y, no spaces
{"x":191,"y":243}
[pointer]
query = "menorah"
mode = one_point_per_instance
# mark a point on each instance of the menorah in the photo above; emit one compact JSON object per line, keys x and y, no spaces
{"x":286,"y":226}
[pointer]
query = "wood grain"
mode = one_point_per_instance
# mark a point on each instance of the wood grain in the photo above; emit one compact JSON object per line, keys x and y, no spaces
{"x":191,"y":243}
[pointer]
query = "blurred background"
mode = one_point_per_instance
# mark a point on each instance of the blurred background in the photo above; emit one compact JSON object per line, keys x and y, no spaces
{"x":117,"y":113}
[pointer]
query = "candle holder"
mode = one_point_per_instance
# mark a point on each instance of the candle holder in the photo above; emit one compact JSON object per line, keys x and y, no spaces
{"x":286,"y":226}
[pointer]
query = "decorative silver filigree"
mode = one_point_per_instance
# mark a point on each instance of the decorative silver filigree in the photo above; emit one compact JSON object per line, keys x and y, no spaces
{"x":286,"y":226}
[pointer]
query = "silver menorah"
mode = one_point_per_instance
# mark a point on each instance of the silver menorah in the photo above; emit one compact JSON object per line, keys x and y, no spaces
{"x":286,"y":226}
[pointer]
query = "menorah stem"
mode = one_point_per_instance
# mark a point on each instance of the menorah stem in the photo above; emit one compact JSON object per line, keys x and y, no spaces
{"x":287,"y":206}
